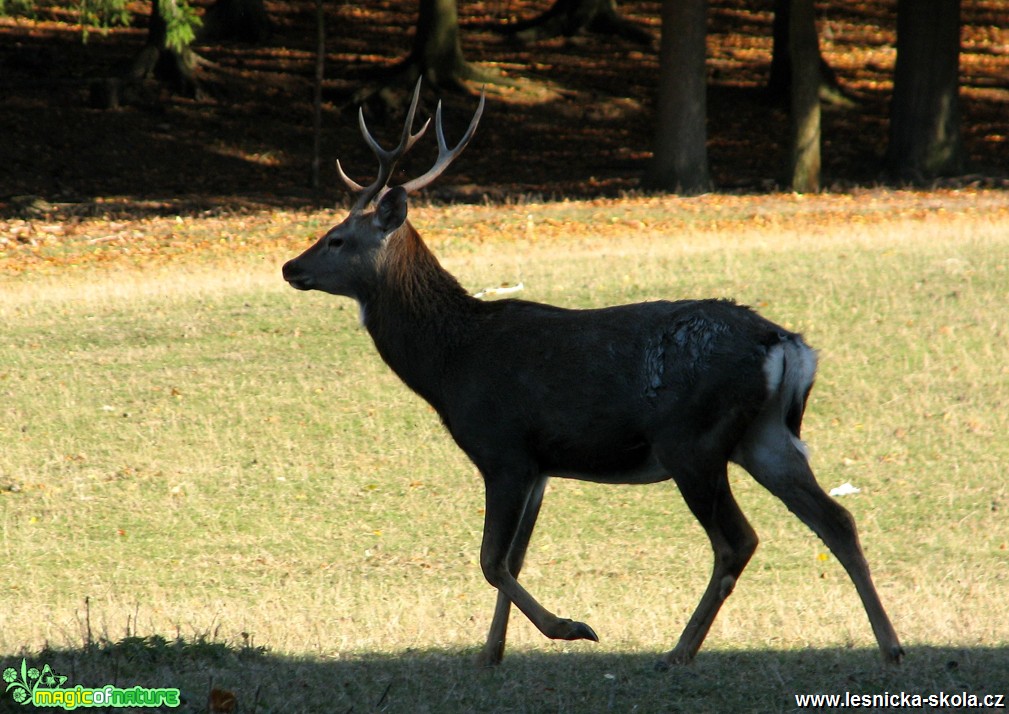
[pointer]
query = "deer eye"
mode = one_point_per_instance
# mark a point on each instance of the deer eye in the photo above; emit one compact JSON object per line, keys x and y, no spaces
{"x":335,"y":243}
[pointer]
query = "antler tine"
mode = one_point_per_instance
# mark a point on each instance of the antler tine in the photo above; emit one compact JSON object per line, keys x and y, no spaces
{"x":351,"y":183}
{"x":387,"y":159}
{"x":445,"y":155}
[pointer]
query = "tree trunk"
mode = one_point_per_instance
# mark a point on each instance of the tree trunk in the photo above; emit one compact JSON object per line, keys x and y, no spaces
{"x":437,"y":50}
{"x":680,"y":160}
{"x":779,"y":80}
{"x":174,"y":67}
{"x":925,"y":138}
{"x":436,"y":56}
{"x":569,"y":17}
{"x":804,"y":163}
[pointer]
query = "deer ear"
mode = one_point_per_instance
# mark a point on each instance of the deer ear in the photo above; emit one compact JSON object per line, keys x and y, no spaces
{"x":391,"y":211}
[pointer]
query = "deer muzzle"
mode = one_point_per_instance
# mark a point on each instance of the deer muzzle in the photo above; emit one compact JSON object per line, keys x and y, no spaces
{"x":296,"y":277}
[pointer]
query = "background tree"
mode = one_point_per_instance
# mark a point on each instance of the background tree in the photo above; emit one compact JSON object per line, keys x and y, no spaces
{"x":436,"y":54}
{"x":779,"y":80}
{"x":804,"y":48}
{"x":680,"y":156}
{"x":437,"y":48}
{"x":925,"y":138}
{"x":168,"y":55}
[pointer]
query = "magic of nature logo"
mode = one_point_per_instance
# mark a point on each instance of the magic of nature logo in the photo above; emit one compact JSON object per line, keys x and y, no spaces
{"x":32,"y":686}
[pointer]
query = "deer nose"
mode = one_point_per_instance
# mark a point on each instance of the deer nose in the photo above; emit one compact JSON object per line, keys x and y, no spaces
{"x":295,"y":276}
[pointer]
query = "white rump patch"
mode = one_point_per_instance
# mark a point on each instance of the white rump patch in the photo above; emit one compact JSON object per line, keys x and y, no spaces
{"x":805,"y":366}
{"x":799,"y":370}
{"x":789,"y":370}
{"x":774,"y":368}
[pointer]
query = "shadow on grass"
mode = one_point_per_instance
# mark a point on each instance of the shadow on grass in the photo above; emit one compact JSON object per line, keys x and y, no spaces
{"x":446,"y":681}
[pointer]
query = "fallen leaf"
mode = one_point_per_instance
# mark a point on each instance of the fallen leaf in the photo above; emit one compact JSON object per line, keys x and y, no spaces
{"x":221,"y":701}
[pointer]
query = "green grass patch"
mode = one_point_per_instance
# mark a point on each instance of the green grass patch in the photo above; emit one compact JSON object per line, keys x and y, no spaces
{"x":249,"y":500}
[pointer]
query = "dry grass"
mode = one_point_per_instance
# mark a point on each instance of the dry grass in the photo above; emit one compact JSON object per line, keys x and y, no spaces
{"x":203,"y":453}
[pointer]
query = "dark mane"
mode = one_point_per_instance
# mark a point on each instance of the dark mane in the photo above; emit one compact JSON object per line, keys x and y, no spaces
{"x":413,"y":276}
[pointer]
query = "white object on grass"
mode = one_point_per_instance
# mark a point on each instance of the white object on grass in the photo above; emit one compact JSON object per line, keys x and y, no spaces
{"x":503,"y":290}
{"x":845,"y":489}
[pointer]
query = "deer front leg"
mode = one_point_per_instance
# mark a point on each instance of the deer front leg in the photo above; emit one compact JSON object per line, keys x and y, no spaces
{"x":508,"y":499}
{"x":493,"y":650}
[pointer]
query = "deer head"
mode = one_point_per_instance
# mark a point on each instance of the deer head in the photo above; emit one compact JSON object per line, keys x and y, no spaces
{"x":348,"y":258}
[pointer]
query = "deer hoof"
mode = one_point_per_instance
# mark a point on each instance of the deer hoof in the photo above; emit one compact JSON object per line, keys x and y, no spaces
{"x":894,"y":655}
{"x":572,"y":630}
{"x":586,"y":632}
{"x":485,"y":659}
{"x":673,"y":659}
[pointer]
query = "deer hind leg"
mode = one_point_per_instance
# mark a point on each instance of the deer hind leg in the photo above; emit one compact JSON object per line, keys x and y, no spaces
{"x":493,"y":651}
{"x":772,"y":456}
{"x":709,"y":498}
{"x":507,"y":501}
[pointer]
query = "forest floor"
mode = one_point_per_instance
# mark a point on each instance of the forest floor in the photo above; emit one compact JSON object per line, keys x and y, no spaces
{"x":578,"y":124}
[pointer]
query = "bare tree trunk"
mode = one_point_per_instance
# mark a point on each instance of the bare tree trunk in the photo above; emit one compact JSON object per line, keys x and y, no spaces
{"x":779,"y":80}
{"x":804,"y":156}
{"x":174,"y":67}
{"x":925,"y":138}
{"x":436,"y":56}
{"x":437,"y":50}
{"x":680,"y":160}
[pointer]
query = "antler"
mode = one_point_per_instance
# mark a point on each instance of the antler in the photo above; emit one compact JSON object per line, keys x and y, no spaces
{"x":445,"y":155}
{"x":387,"y":159}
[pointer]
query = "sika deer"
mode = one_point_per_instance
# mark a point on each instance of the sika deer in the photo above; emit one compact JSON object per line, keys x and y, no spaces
{"x":632,"y":394}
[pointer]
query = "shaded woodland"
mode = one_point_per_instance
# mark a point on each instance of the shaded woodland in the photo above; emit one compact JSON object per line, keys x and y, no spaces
{"x":575,"y":114}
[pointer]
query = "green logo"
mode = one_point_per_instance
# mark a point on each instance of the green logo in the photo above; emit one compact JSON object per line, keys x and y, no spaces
{"x":44,"y":688}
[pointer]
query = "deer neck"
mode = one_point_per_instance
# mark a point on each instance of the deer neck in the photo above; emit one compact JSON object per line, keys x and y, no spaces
{"x":418,"y":312}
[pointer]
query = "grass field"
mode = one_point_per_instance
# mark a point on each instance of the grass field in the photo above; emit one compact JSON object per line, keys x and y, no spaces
{"x":209,"y":479}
